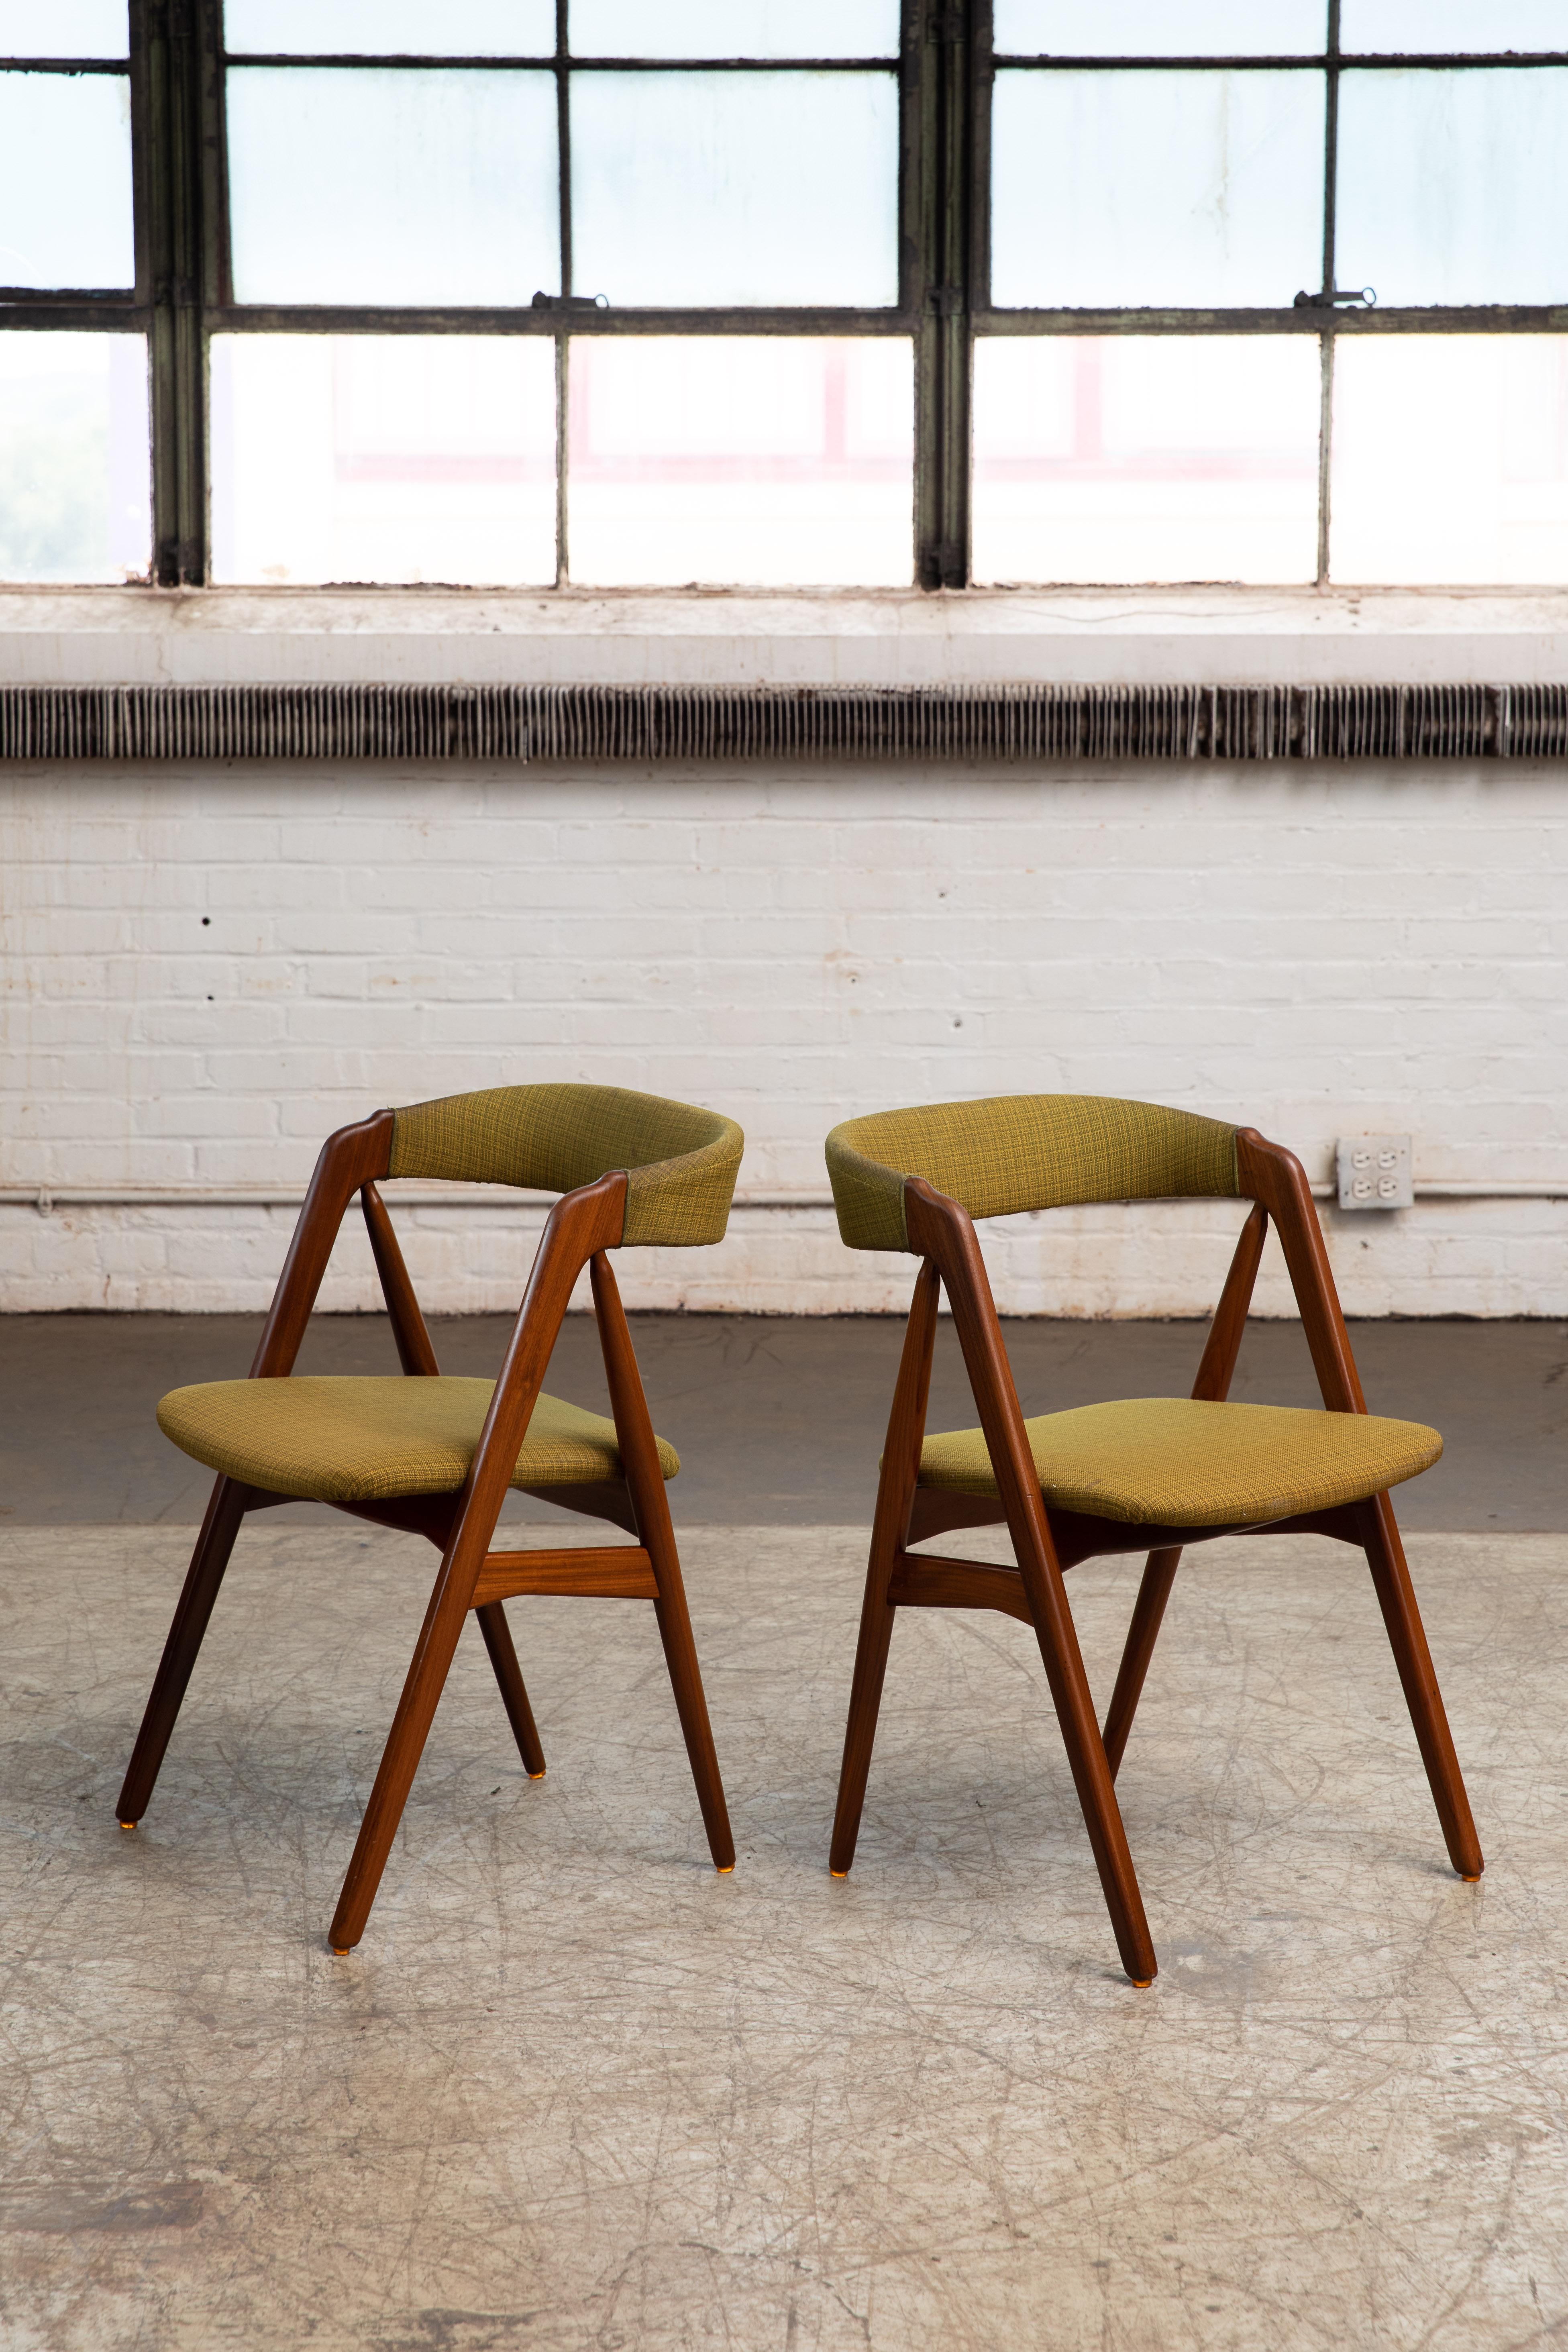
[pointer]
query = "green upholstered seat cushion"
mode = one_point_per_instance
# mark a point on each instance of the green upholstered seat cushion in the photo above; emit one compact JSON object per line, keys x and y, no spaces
{"x":1169,"y":1462}
{"x":364,"y":1441}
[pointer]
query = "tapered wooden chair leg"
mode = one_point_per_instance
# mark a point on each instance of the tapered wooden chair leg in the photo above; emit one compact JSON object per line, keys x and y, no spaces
{"x":1074,"y":1703}
{"x":514,"y":1690}
{"x":1407,"y":1639}
{"x":1159,"y":1575}
{"x":399,"y":1763}
{"x":225,"y":1509}
{"x":691,"y":1705}
{"x":651,"y":1507}
{"x":877,"y":1615}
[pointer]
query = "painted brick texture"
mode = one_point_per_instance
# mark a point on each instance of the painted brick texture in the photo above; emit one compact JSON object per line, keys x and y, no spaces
{"x":206,"y":970}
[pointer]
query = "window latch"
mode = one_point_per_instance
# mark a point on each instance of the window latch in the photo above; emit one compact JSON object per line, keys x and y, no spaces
{"x":945,"y":24}
{"x":947,"y":301}
{"x":1361,"y":297}
{"x":571,"y":302}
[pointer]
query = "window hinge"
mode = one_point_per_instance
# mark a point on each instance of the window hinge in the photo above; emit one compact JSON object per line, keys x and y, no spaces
{"x":1363,"y":297}
{"x":947,"y":301}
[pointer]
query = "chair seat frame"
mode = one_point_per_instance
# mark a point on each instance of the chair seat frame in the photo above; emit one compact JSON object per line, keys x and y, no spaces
{"x":1047,"y":1542}
{"x":582,"y":1228}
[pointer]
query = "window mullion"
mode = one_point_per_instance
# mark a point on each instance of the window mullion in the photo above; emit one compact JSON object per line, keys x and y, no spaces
{"x":172,"y":36}
{"x":937,"y":84}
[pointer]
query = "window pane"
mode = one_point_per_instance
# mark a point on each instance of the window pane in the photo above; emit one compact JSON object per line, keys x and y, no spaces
{"x":1406,"y":27}
{"x":735,"y":187}
{"x":75,"y":481}
{"x":1153,"y":28}
{"x":1450,"y":459}
{"x":1164,"y":188}
{"x":64,"y":28}
{"x":402,"y":457}
{"x":1453,"y":188}
{"x":749,"y":461}
{"x":734,"y":28}
{"x":65,"y":180}
{"x":382,"y":28}
{"x":364,"y":185}
{"x":1146,"y":457}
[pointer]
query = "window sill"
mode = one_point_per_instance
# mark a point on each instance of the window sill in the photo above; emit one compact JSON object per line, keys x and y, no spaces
{"x":1114,"y":637}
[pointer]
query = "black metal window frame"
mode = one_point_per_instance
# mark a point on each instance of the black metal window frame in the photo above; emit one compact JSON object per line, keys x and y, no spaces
{"x":946,"y":68}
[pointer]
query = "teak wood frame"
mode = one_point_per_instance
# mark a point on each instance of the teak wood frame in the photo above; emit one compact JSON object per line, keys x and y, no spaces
{"x":582,"y":1226}
{"x":1049,"y":1541}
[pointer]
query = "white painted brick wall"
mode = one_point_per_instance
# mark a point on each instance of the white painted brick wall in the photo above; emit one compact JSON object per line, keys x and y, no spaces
{"x":206,"y":970}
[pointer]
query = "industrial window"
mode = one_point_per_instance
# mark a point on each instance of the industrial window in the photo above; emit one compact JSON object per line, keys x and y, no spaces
{"x":776,"y":292}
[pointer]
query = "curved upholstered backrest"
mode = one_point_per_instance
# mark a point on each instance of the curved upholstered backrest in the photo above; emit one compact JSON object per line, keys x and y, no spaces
{"x":680,"y":1162}
{"x":1021,"y":1152}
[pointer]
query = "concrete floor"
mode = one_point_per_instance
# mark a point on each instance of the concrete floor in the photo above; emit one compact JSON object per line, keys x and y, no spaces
{"x":575,"y":2090}
{"x":778,"y":1422}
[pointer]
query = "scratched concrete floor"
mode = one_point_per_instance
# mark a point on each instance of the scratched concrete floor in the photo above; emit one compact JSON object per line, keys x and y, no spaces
{"x":575,"y":2090}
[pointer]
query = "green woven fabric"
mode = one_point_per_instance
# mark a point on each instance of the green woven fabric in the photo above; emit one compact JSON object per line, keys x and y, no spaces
{"x":354,"y":1440}
{"x":680,"y":1162}
{"x":1021,"y":1152}
{"x":1171,"y":1462}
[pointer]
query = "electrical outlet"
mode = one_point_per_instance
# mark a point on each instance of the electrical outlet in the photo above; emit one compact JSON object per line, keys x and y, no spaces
{"x":1374,"y":1172}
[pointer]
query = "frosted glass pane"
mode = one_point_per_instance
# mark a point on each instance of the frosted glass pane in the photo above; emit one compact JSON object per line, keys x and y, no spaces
{"x":1146,"y":457}
{"x":74,"y":483}
{"x":735,"y":187}
{"x":383,"y":28}
{"x":1407,"y":27}
{"x":64,"y":28}
{"x":400,"y":457}
{"x":1156,"y":28}
{"x":65,"y":180}
{"x":1450,"y":459}
{"x":751,"y":460}
{"x":353,"y":184}
{"x":734,"y":28}
{"x":1181,"y":189}
{"x":1453,"y":188}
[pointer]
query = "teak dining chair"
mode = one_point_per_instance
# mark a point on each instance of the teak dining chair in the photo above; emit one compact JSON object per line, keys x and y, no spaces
{"x":438,"y":1455}
{"x":1144,"y":1474}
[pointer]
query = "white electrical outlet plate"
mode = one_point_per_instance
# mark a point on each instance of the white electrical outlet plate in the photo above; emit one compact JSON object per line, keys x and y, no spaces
{"x":1374,"y":1172}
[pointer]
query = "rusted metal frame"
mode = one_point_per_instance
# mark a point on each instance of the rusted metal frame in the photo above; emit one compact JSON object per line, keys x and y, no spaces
{"x":939,"y":40}
{"x":552,"y":60}
{"x":507,"y":319}
{"x":171,"y":136}
{"x":1472,"y":319}
{"x":63,"y":65}
{"x":1382,"y":60}
{"x":1326,"y":347}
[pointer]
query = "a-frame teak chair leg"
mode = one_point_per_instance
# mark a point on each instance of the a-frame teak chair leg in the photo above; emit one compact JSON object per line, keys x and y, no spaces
{"x":890,"y":1530}
{"x":225,"y":1509}
{"x":1407,"y":1640}
{"x":650,"y":1505}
